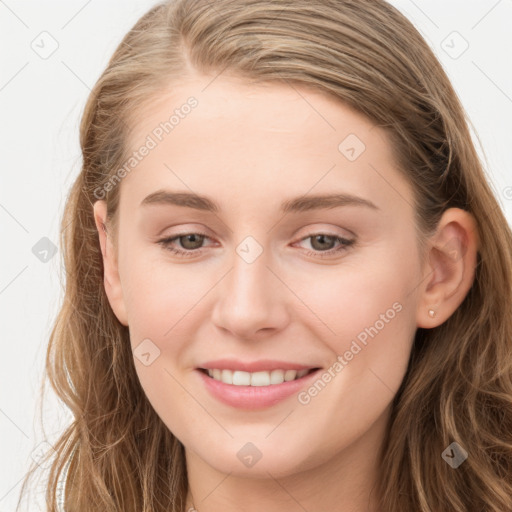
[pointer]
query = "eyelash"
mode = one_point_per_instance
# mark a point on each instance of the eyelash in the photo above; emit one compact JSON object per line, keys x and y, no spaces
{"x":166,"y":244}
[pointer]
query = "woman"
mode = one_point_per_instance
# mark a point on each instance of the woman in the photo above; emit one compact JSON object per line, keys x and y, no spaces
{"x":288,"y":282}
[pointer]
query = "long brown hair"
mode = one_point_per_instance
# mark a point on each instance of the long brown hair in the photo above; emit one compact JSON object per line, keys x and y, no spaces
{"x":458,"y":385}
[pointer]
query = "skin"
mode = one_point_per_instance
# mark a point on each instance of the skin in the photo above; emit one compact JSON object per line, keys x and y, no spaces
{"x":250,"y":147}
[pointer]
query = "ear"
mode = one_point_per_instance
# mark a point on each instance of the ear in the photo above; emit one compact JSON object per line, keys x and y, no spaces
{"x":450,"y":267}
{"x":111,"y":278}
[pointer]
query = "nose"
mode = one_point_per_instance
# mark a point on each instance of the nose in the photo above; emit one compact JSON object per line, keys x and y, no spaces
{"x":251,"y":302}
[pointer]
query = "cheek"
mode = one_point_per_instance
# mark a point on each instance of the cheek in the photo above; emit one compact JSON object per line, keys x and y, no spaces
{"x":366,"y":309}
{"x":371,"y":327}
{"x":159,"y":293}
{"x":161,"y":301}
{"x":350,"y":296}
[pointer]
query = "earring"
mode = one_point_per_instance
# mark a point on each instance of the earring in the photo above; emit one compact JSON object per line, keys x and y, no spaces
{"x":431,"y":313}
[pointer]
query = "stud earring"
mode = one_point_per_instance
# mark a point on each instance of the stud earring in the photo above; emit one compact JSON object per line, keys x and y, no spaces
{"x":431,"y":313}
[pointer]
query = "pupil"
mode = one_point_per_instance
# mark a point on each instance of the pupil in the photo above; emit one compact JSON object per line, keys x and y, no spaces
{"x":322,"y":239}
{"x":193,"y":239}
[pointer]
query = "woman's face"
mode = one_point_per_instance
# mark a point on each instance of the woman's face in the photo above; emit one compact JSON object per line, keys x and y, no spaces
{"x":302,"y":254}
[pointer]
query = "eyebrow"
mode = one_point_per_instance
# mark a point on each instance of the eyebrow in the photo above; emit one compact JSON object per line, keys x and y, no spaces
{"x":298,"y":204}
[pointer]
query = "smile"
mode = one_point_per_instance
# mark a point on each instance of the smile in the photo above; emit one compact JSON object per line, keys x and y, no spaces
{"x":254,"y":390}
{"x":261,"y":378}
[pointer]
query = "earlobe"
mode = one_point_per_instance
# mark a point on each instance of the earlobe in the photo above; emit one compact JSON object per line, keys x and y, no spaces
{"x":450,"y":271}
{"x":111,"y":279}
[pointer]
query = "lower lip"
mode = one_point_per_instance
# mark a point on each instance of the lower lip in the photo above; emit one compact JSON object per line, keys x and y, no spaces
{"x":254,"y":397}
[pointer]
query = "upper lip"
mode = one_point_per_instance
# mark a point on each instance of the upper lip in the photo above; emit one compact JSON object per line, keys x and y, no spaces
{"x":253,"y":366}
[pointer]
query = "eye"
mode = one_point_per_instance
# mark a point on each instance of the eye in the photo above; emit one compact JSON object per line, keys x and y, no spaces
{"x":191,"y":242}
{"x":325,"y":244}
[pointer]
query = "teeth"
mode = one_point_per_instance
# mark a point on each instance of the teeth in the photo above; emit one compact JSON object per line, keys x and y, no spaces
{"x":240,"y":378}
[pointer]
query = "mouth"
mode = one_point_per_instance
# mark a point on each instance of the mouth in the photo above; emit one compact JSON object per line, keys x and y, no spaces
{"x":255,"y":390}
{"x":256,"y":379}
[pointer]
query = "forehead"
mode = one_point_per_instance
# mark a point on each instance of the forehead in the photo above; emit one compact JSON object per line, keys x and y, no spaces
{"x":259,"y":137}
{"x":272,"y":112}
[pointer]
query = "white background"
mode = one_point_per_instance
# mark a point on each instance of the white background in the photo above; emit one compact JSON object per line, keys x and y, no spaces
{"x":41,"y":101}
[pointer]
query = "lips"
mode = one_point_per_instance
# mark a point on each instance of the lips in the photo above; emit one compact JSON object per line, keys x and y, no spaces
{"x":254,"y":366}
{"x":260,"y":393}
